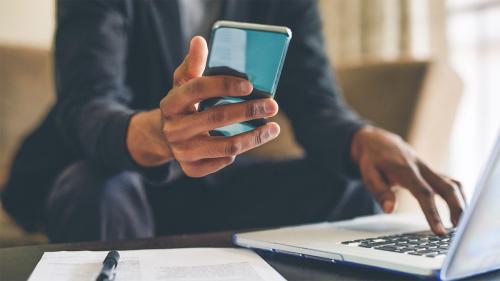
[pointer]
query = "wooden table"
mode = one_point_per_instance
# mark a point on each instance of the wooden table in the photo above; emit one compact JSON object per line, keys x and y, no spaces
{"x":17,"y":263}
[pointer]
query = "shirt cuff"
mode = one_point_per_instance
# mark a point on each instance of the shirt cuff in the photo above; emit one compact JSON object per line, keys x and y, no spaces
{"x":351,"y":168}
{"x":332,"y":148}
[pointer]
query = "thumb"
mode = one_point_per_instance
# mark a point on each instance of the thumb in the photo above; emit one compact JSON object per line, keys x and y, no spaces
{"x":379,"y":188}
{"x":194,"y":63}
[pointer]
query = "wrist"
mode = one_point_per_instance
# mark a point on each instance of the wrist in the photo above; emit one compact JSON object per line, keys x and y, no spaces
{"x":145,"y":141}
{"x":357,"y":142}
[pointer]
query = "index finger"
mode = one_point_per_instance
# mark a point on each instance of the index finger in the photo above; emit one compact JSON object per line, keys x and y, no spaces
{"x":448,"y":190}
{"x":425,"y":197}
{"x":198,"y":89}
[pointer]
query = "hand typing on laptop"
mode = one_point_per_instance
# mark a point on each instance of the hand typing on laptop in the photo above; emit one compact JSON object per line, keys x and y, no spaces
{"x":385,"y":161}
{"x":402,"y":242}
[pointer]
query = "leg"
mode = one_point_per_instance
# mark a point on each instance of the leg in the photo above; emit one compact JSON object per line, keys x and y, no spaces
{"x":257,"y":194}
{"x":87,"y":205}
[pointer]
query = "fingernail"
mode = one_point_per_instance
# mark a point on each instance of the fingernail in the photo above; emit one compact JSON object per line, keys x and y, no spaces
{"x":441,"y":230}
{"x":388,"y":206}
{"x":269,"y":107}
{"x":274,"y":131}
{"x":245,"y":87}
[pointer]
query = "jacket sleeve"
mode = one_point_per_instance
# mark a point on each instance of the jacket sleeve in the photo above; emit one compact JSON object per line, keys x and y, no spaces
{"x":93,"y":100}
{"x":308,"y":93}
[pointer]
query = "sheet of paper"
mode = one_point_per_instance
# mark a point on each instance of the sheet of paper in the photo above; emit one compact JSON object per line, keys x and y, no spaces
{"x":189,"y":264}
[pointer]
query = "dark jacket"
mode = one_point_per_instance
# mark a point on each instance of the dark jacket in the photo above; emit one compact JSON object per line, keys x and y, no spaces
{"x":116,"y":57}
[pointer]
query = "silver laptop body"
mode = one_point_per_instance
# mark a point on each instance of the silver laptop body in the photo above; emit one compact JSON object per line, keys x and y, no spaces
{"x":474,"y":247}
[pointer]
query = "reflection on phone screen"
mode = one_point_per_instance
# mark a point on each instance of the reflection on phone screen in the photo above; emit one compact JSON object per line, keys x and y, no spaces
{"x":249,"y":54}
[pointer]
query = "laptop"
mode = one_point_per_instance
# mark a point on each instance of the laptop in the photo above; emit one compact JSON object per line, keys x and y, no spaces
{"x":402,"y":243}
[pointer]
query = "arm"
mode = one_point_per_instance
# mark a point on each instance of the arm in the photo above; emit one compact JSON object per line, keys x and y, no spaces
{"x":329,"y":131}
{"x":93,"y":101}
{"x":325,"y":126}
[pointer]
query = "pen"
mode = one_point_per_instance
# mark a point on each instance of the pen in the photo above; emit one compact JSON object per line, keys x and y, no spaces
{"x":109,"y":265}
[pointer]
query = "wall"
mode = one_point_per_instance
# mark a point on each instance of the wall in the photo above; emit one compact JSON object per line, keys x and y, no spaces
{"x":27,"y":22}
{"x":31,"y":23}
{"x":359,"y":31}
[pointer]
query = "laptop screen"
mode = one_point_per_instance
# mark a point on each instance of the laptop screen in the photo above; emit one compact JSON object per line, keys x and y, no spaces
{"x":479,"y":246}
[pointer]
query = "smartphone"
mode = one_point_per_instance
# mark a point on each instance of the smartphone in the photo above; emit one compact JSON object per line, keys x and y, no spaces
{"x":255,"y":52}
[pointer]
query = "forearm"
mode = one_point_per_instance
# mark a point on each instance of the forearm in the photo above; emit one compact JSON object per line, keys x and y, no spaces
{"x":145,"y":141}
{"x":93,"y":99}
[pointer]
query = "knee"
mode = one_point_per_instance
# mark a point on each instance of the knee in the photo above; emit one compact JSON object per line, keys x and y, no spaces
{"x":125,"y":209}
{"x":85,"y":204}
{"x":73,"y":194}
{"x":72,"y":188}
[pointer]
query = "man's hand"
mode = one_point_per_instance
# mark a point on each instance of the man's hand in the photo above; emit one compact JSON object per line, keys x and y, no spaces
{"x":180,"y":132}
{"x":385,"y":160}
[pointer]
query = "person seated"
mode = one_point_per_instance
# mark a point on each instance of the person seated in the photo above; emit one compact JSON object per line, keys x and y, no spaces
{"x":129,"y":155}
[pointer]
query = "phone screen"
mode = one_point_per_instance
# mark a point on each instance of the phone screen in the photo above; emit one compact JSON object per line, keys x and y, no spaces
{"x":256,"y":55}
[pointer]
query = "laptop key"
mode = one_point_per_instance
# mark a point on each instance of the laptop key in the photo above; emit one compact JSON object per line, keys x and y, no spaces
{"x":407,"y":250}
{"x":414,"y":253}
{"x":399,"y":251}
{"x":387,"y":248}
{"x":377,"y":244}
{"x":433,"y":255}
{"x":431,"y":251}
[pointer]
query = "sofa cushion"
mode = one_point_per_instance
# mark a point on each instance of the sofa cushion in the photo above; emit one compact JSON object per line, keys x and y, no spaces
{"x":26,"y":88}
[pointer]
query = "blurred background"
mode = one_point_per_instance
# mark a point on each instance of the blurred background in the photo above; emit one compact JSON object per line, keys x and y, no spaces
{"x":425,"y":69}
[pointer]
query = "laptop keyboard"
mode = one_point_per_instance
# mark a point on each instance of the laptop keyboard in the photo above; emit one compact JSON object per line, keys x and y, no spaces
{"x":424,"y":244}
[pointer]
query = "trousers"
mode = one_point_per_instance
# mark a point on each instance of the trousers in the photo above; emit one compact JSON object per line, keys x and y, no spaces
{"x":86,"y":204}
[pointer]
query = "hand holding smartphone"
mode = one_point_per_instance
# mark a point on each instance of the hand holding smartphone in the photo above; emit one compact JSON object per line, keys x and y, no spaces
{"x":251,"y":51}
